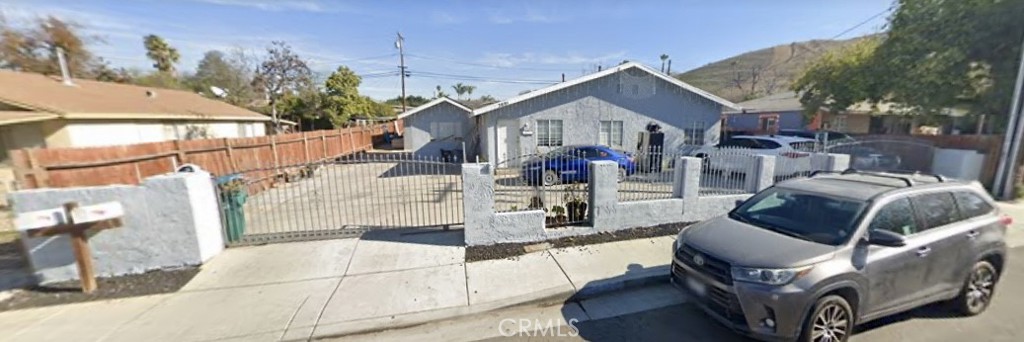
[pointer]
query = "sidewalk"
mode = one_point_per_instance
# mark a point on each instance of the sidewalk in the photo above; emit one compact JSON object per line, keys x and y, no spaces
{"x":384,"y":280}
{"x":387,"y":279}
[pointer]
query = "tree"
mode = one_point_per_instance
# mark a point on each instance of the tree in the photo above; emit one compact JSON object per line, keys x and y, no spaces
{"x":664,"y":58}
{"x":343,"y":101}
{"x":34,"y":49}
{"x":164,"y":56}
{"x":461,"y":89}
{"x":231,"y":73}
{"x":938,"y":54}
{"x":439,"y":93}
{"x":488,"y":99}
{"x":281,"y":70}
{"x":410,"y":100}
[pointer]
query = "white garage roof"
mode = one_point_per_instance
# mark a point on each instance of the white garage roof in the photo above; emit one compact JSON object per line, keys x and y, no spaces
{"x":431,"y":104}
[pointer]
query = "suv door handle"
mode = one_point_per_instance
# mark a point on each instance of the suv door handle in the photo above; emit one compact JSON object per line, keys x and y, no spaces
{"x":923,"y":251}
{"x":972,"y":234}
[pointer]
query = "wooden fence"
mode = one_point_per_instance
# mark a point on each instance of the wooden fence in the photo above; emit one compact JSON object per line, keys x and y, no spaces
{"x":988,"y":145}
{"x":263,"y":157}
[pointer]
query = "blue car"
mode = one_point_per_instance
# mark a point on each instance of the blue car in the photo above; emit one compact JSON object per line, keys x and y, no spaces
{"x":571,"y":163}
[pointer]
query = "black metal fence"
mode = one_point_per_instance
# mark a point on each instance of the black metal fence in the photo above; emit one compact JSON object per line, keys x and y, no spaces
{"x":555,"y":182}
{"x":340,"y":198}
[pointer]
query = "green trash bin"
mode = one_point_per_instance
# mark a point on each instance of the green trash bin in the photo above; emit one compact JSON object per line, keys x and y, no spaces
{"x":232,"y":198}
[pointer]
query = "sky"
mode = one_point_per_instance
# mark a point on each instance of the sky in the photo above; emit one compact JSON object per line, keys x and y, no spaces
{"x":501,"y":47}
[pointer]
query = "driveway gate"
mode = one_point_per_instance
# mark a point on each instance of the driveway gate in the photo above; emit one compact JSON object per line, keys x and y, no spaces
{"x":344,"y":197}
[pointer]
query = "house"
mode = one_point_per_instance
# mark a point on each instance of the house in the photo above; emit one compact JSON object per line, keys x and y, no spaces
{"x":766,"y":114}
{"x":610,"y":107}
{"x":42,"y":111}
{"x":784,"y":111}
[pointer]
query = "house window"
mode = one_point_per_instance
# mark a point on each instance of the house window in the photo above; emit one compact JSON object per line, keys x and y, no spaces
{"x":768,"y":123}
{"x":445,"y":130}
{"x":611,"y":133}
{"x":549,"y":132}
{"x":839,"y":123}
{"x":695,"y":133}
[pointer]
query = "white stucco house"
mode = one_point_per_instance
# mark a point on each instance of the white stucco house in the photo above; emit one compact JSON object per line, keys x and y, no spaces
{"x":43,"y":111}
{"x":609,"y":107}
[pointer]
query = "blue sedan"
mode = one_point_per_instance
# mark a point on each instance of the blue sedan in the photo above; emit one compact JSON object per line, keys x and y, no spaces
{"x":571,"y":163}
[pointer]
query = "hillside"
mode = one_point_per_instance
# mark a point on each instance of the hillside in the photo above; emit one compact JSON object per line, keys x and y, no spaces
{"x":776,"y":68}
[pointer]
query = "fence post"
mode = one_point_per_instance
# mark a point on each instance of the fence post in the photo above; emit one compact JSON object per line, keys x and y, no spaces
{"x":761,"y":175}
{"x":231,"y":155}
{"x":38,"y":171}
{"x":323,"y":143}
{"x":179,"y":155}
{"x":273,"y":150}
{"x":351,"y":142}
{"x":687,"y":181}
{"x":478,"y":200}
{"x":837,"y":162}
{"x":305,"y":146}
{"x":604,"y":194}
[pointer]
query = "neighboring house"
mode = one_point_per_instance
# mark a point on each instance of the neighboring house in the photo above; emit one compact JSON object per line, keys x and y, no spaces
{"x":766,"y":114}
{"x":439,"y":125}
{"x":43,"y":111}
{"x":610,"y":107}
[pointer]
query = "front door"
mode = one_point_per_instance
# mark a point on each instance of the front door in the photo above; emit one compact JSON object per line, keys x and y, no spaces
{"x":507,"y":140}
{"x":895,"y":274}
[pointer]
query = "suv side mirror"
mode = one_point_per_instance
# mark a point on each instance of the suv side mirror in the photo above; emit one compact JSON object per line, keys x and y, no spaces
{"x":886,"y":238}
{"x":739,"y":203}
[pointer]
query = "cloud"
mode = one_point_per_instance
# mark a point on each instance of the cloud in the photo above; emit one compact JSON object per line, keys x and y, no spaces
{"x":274,"y":5}
{"x":508,"y":60}
{"x":444,"y":18}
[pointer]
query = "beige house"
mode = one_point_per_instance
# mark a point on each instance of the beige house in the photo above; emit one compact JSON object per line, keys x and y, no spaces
{"x":43,"y":111}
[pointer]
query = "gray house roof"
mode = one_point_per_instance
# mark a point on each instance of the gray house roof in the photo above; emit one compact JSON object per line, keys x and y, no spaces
{"x":434,"y":103}
{"x":606,"y":72}
{"x":781,"y":102}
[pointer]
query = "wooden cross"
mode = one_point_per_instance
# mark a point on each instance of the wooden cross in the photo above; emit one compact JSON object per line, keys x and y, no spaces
{"x":95,"y":218}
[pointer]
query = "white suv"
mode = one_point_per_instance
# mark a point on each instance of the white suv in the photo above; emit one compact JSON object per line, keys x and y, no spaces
{"x":735,"y":155}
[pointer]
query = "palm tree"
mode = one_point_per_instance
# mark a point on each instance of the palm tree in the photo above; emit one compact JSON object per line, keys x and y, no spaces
{"x":469,"y":91}
{"x":439,"y":93}
{"x":664,"y":58}
{"x":459,"y":89}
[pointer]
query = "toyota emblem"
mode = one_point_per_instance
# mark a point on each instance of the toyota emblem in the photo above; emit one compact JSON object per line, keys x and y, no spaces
{"x":699,"y":260}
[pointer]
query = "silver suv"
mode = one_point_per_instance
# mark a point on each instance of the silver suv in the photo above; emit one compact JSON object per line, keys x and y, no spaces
{"x":811,"y":258}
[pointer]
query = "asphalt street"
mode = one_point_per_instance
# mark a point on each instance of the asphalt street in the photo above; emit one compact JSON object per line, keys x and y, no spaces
{"x":685,"y":322}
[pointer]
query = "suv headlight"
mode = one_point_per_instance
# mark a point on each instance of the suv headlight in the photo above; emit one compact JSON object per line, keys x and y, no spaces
{"x":780,"y":276}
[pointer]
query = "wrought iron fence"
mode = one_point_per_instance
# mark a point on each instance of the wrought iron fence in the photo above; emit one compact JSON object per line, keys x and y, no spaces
{"x":555,"y":182}
{"x":647,"y":175}
{"x":724,"y":170}
{"x":342,"y":197}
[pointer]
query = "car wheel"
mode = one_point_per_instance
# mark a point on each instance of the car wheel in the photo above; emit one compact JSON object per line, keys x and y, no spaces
{"x":977,"y":291}
{"x":551,"y":178}
{"x":622,"y":174}
{"x":830,"y":321}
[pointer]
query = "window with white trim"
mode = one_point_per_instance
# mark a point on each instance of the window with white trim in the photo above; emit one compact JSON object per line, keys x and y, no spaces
{"x":695,"y":133}
{"x":839,"y":123}
{"x":549,"y":132}
{"x":611,"y":133}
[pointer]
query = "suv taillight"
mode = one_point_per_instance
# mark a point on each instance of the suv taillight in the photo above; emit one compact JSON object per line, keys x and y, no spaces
{"x":1006,"y":220}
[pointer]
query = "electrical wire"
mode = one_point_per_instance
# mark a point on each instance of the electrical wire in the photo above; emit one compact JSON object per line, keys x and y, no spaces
{"x":453,"y":61}
{"x":435,"y":75}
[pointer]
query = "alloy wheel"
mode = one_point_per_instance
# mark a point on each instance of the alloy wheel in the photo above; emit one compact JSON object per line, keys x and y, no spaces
{"x":979,"y":288}
{"x":831,"y":324}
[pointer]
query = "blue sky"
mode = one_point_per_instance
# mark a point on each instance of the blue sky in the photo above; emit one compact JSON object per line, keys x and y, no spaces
{"x":502,"y":45}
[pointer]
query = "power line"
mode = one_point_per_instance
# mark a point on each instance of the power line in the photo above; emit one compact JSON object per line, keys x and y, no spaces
{"x":453,"y":61}
{"x":435,"y":75}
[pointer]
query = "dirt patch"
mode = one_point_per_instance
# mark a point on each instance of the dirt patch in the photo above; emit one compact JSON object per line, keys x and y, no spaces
{"x":508,"y":250}
{"x":154,"y":282}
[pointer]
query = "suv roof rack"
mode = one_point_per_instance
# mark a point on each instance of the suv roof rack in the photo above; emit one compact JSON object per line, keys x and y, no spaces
{"x":938,"y":178}
{"x":906,"y":180}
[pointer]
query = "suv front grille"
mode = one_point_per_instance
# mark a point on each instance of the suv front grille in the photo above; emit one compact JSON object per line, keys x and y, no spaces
{"x":726,"y":305}
{"x":713,"y":267}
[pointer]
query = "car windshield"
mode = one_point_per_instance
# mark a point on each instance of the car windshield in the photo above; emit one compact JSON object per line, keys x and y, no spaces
{"x":807,"y":216}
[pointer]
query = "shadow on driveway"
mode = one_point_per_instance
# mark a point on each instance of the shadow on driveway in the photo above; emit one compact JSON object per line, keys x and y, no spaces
{"x":423,"y":236}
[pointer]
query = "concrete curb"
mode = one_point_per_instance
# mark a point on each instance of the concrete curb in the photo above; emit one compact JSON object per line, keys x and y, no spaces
{"x":540,"y":298}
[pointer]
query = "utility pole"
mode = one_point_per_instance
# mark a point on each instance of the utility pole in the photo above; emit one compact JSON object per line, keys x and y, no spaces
{"x":401,"y":65}
{"x":1005,"y":173}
